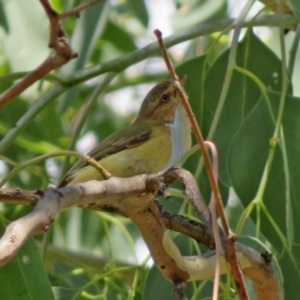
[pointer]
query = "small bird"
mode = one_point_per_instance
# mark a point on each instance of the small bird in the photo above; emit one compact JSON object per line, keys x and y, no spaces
{"x":153,"y":143}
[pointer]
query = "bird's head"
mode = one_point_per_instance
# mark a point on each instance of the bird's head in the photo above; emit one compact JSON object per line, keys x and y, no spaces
{"x":160,"y":103}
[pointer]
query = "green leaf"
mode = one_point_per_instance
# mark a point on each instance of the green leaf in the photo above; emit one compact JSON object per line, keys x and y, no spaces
{"x":295,"y":7}
{"x":140,"y":9}
{"x":195,"y":69}
{"x":25,"y":46}
{"x":196,"y":12}
{"x":246,"y":162}
{"x":25,"y":277}
{"x":87,"y":31}
{"x":243,"y":92}
{"x":3,"y":20}
{"x":255,"y":134}
{"x":62,"y":293}
{"x":250,"y":144}
{"x":118,"y":37}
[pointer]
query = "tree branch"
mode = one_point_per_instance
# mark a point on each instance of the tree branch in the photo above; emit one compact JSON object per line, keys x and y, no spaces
{"x":133,"y":197}
{"x":119,"y":64}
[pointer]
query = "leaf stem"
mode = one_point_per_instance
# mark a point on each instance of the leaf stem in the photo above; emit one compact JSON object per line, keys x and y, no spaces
{"x":278,"y":124}
{"x":230,"y":247}
{"x":240,"y":21}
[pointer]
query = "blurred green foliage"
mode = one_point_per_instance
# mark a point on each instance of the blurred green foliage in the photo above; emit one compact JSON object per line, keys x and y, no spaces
{"x":90,"y":255}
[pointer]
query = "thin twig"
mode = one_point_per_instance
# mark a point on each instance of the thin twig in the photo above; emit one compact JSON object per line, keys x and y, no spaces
{"x":75,"y":12}
{"x":198,"y":134}
{"x":131,"y":197}
{"x":119,"y":64}
{"x":163,"y":49}
{"x":58,"y":41}
{"x":46,"y":67}
{"x":89,"y":160}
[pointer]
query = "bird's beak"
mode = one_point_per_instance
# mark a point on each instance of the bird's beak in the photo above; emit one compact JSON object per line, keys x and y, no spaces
{"x":182,"y":79}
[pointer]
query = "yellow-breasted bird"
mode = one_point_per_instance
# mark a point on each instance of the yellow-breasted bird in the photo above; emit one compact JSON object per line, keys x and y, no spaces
{"x":154,"y":142}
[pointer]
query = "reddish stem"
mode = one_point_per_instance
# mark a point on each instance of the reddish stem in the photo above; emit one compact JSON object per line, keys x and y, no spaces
{"x":232,"y":257}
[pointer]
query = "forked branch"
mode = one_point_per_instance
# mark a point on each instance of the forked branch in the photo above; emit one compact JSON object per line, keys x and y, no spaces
{"x":133,"y":197}
{"x":59,"y":41}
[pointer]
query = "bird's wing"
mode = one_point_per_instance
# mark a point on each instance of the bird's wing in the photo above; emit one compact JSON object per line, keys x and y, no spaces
{"x":129,"y":137}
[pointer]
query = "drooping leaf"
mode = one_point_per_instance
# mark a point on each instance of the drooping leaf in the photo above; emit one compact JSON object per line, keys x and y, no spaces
{"x":140,"y":9}
{"x":196,"y":12}
{"x":243,"y":93}
{"x":3,"y":20}
{"x":25,"y":277}
{"x":295,"y":7}
{"x":247,"y":160}
{"x":86,"y":33}
{"x":118,"y":37}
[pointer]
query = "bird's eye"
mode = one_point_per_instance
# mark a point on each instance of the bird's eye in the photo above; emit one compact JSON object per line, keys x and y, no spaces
{"x":164,"y":98}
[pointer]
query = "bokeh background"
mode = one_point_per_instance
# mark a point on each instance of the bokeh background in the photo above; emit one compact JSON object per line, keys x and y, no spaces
{"x":93,"y":255}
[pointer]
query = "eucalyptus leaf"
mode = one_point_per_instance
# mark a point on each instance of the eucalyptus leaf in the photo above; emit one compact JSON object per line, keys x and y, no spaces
{"x":25,"y":277}
{"x":247,"y":160}
{"x":140,"y":9}
{"x":3,"y":20}
{"x":243,"y":94}
{"x":295,"y":7}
